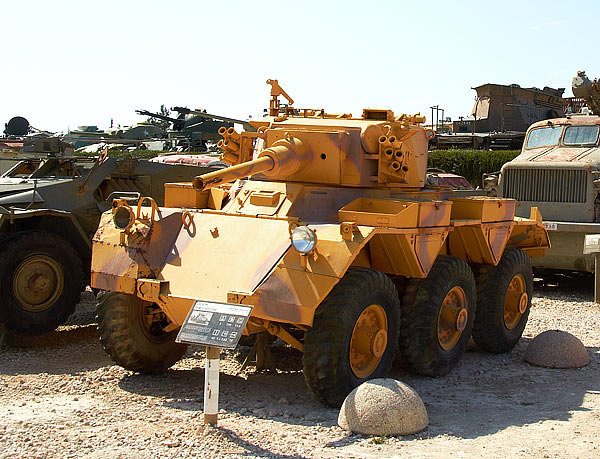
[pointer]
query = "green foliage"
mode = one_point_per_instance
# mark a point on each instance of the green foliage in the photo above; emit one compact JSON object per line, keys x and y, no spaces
{"x":471,"y":164}
{"x":378,"y":440}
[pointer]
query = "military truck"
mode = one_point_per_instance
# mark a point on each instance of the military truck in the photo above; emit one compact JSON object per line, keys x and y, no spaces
{"x":334,"y":241}
{"x":50,"y":206}
{"x":558,"y":171}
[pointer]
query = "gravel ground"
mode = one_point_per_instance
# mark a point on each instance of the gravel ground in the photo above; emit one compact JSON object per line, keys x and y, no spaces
{"x":63,"y":397}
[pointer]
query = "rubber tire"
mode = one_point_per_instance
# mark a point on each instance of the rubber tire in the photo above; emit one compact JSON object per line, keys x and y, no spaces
{"x":421,"y":305}
{"x":124,"y":340}
{"x":15,"y":248}
{"x":489,"y":332}
{"x":326,"y":359}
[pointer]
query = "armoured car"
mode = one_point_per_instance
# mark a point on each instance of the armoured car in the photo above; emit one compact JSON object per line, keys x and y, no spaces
{"x":334,"y":241}
{"x":50,"y":206}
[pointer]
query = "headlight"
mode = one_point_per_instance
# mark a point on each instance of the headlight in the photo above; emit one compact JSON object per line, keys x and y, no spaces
{"x":123,"y":218}
{"x":304,"y":239}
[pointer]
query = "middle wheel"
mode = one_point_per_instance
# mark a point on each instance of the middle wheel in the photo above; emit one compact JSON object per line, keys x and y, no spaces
{"x":437,"y":317}
{"x":354,"y":335}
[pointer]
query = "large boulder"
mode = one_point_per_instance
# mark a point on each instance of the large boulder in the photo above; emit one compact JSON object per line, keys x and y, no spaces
{"x":383,"y":407}
{"x":556,"y":349}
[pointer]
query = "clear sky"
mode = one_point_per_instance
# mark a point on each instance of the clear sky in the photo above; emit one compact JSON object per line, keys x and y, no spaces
{"x":70,"y":63}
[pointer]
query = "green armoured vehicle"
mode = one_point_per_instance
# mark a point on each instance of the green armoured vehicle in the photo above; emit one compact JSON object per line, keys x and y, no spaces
{"x":192,"y":129}
{"x":49,"y":210}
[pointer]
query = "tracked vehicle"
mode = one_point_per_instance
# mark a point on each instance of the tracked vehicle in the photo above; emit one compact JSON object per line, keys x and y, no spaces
{"x":334,"y":241}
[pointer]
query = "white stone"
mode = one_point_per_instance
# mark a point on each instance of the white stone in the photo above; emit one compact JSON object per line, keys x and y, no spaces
{"x":383,"y":407}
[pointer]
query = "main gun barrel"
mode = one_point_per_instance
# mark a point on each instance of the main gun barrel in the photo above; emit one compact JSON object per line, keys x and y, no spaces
{"x":156,"y":115}
{"x":247,"y":126}
{"x":283,"y":158}
{"x":212,"y":179}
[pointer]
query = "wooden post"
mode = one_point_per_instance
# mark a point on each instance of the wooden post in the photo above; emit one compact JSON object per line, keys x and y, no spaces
{"x":211,"y":385}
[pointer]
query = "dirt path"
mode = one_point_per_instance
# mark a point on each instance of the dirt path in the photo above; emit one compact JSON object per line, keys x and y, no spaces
{"x":62,"y":397}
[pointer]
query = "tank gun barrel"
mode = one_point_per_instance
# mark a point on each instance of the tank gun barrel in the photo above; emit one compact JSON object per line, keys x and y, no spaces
{"x":156,"y":115}
{"x":284,"y":158}
{"x":212,"y":179}
{"x":185,"y":111}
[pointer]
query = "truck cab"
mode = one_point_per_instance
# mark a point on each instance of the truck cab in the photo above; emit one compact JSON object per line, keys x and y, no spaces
{"x":557,"y":172}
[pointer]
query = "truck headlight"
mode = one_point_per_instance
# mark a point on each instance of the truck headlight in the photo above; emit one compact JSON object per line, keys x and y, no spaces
{"x":304,"y":239}
{"x":123,"y":218}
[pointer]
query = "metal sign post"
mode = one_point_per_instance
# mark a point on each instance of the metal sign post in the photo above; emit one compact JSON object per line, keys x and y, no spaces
{"x":217,"y":326}
{"x":592,"y":245}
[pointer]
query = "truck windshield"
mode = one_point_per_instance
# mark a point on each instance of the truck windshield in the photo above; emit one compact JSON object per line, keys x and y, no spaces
{"x":580,"y":135}
{"x":544,"y":137}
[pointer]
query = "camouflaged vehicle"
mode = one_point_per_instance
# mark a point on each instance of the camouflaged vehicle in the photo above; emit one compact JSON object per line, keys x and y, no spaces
{"x":50,"y":206}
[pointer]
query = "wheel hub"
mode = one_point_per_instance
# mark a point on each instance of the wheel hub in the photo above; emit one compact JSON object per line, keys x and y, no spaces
{"x":453,"y":318}
{"x":369,"y":341}
{"x":515,"y":302}
{"x":378,"y":343}
{"x":523,"y":301}
{"x":153,"y":321}
{"x":461,"y":320}
{"x":37,"y":282}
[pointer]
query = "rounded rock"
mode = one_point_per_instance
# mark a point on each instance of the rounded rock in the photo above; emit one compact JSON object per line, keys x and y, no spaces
{"x":556,"y":349}
{"x":383,"y":406}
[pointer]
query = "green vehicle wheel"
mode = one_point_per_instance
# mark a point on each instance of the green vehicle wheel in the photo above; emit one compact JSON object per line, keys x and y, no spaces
{"x":40,"y":282}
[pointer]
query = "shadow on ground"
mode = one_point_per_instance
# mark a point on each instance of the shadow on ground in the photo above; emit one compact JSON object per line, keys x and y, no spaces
{"x":68,"y":350}
{"x":487,"y":393}
{"x":577,"y":285}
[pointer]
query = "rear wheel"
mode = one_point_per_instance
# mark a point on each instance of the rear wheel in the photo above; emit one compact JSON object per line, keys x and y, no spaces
{"x":504,"y":300}
{"x":133,"y":333}
{"x":353,"y":337}
{"x":40,"y":282}
{"x":437,"y":317}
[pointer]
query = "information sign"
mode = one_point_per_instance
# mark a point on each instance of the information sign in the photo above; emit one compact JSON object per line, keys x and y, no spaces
{"x":214,"y":324}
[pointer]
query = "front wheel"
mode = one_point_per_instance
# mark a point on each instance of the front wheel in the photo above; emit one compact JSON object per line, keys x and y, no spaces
{"x":40,"y":282}
{"x":504,"y":300}
{"x":133,"y":333}
{"x":437,"y":317}
{"x":353,"y":337}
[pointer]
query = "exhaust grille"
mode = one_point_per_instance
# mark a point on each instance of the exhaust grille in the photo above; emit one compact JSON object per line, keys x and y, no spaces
{"x":550,"y":185}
